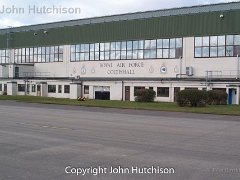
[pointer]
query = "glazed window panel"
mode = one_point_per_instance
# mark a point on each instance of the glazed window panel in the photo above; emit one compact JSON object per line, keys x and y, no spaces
{"x":91,"y":47}
{"x":123,"y":46}
{"x":135,"y":45}
{"x":4,"y":56}
{"x":123,"y":54}
{"x":91,"y":56}
{"x":172,"y":53}
{"x":179,"y":43}
{"x":97,"y":57}
{"x":163,"y":92}
{"x":237,"y":40}
{"x":213,"y":41}
{"x":221,"y":51}
{"x":102,"y":55}
{"x":129,"y":54}
{"x":81,"y":56}
{"x":172,"y":43}
{"x":135,"y":54}
{"x":107,"y":55}
{"x":118,"y":46}
{"x":160,"y":53}
{"x":118,"y":55}
{"x":229,"y":50}
{"x":236,"y":51}
{"x":129,"y":45}
{"x":198,"y":52}
{"x":113,"y":55}
{"x":213,"y":52}
{"x":205,"y":41}
{"x":51,"y":88}
{"x":198,"y":41}
{"x":140,"y":54}
{"x":106,"y":46}
{"x":165,"y":53}
{"x":21,"y":87}
{"x":229,"y":39}
{"x":159,"y":43}
{"x":113,"y":46}
{"x":221,"y":41}
{"x":205,"y":52}
{"x":165,"y":43}
{"x":141,"y":44}
{"x":218,"y":46}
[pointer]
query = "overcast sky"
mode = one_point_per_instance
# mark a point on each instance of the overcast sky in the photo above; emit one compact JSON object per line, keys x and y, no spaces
{"x":26,"y":12}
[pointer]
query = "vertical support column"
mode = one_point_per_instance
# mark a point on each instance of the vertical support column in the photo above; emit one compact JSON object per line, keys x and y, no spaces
{"x":132,"y":98}
{"x":238,"y":96}
{"x":12,"y":88}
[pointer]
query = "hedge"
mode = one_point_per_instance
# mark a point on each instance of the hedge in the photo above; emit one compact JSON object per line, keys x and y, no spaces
{"x":193,"y":98}
{"x":217,"y":97}
{"x":145,"y":95}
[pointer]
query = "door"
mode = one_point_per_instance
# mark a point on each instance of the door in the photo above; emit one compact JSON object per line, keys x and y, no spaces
{"x":38,"y":90}
{"x":16,"y":72}
{"x":127,"y":93}
{"x":102,"y":95}
{"x":232,"y":96}
{"x":5,"y":88}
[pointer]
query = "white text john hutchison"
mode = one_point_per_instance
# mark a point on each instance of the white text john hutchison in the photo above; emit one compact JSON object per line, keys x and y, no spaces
{"x":39,"y":10}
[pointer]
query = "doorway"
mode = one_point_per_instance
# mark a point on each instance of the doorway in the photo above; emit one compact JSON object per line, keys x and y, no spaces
{"x":38,"y":90}
{"x":102,"y":95}
{"x":127,"y":93}
{"x":102,"y":92}
{"x":232,"y":96}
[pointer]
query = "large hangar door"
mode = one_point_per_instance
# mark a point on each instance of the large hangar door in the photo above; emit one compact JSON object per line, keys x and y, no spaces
{"x":102,"y":92}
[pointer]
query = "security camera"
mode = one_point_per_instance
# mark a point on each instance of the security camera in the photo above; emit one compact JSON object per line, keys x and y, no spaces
{"x":221,"y":16}
{"x":35,"y":34}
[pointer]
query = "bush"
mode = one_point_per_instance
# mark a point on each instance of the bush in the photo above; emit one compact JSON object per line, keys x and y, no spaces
{"x":145,"y":95}
{"x":193,"y":98}
{"x":217,"y":97}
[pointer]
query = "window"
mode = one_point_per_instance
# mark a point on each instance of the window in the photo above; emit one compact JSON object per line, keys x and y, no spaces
{"x":163,"y":92}
{"x":51,"y":88}
{"x":39,"y":54}
{"x":0,"y":87}
{"x":59,"y":88}
{"x":33,"y":88}
{"x":4,"y":56}
{"x":21,"y":87}
{"x":169,"y":48}
{"x":66,"y":88}
{"x":136,"y":49}
{"x":149,"y":49}
{"x":86,"y":89}
{"x":217,"y":46}
{"x":137,"y":88}
{"x":190,"y":88}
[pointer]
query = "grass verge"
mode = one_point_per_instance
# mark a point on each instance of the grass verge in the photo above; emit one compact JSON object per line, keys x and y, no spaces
{"x":161,"y":106}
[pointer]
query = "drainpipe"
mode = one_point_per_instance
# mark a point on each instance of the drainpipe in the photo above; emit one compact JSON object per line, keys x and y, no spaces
{"x":122,"y":90}
{"x":180,"y":67}
{"x":238,"y":63}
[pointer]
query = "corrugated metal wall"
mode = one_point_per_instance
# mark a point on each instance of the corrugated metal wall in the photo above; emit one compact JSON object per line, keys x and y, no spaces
{"x":171,"y":26}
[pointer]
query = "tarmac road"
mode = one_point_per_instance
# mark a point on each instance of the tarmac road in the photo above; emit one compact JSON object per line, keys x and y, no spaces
{"x":49,"y":142}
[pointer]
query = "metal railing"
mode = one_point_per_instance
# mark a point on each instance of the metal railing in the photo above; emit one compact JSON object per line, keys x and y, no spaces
{"x":230,"y":74}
